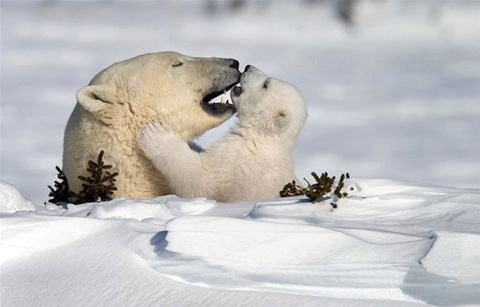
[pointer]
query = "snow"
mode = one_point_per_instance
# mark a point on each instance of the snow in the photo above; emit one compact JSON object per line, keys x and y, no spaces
{"x":12,"y":200}
{"x":387,"y":242}
{"x":395,"y":98}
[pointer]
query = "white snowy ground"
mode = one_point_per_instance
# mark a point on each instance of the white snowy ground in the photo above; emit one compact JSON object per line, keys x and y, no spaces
{"x":396,"y":97}
{"x":388,"y":243}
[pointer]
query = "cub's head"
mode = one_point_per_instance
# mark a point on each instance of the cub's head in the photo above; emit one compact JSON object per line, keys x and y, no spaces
{"x":271,"y":106}
{"x":166,"y":86}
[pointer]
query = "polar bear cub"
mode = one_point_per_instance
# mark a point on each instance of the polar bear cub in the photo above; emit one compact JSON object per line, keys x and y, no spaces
{"x":253,"y":161}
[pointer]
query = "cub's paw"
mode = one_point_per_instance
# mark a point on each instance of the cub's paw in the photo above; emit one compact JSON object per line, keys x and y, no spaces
{"x":152,"y":136}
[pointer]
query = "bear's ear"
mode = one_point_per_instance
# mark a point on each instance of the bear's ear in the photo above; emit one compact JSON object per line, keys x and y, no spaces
{"x":97,"y":99}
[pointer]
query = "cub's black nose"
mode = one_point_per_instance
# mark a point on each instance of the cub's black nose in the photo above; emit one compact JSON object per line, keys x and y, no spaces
{"x":235,"y":64}
{"x":247,"y":67}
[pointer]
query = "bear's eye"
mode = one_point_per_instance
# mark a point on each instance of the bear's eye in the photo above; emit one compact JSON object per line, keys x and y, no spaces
{"x":265,"y":84}
{"x":177,"y":64}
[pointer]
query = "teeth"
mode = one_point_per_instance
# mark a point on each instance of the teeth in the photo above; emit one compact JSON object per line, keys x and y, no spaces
{"x":223,"y":98}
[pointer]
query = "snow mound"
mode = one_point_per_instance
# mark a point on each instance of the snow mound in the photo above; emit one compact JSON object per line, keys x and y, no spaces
{"x":387,"y":243}
{"x":268,"y":246}
{"x":461,"y":262}
{"x":171,"y":207}
{"x":32,"y":234}
{"x":12,"y":201}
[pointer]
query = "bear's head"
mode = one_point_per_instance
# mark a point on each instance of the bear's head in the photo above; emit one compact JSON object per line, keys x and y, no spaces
{"x":164,"y":86}
{"x":271,"y":106}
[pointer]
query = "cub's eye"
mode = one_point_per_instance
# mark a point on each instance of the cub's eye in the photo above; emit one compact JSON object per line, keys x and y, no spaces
{"x":177,"y":64}
{"x":265,"y":85}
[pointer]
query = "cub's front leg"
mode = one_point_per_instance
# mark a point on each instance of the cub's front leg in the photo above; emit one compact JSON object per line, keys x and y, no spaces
{"x":172,"y":157}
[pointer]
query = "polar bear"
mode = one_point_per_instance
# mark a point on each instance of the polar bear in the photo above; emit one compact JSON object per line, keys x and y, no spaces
{"x":165,"y":86}
{"x":253,"y":161}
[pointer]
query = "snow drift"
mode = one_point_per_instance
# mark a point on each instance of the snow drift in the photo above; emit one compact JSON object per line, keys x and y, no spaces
{"x":387,"y":242}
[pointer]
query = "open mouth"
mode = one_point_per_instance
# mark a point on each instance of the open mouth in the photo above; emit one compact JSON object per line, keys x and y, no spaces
{"x":217,"y":103}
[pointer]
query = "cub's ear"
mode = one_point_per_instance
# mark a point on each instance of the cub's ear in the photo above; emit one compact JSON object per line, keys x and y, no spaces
{"x":280,"y":119}
{"x":98,"y":100}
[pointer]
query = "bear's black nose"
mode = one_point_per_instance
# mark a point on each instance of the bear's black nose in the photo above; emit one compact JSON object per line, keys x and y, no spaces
{"x":235,"y":64}
{"x":247,"y":67}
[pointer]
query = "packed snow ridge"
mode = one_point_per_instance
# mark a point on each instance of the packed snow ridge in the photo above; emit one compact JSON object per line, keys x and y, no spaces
{"x":387,"y":242}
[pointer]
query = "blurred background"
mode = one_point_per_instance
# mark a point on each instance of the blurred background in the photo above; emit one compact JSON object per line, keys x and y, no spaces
{"x":392,"y":86}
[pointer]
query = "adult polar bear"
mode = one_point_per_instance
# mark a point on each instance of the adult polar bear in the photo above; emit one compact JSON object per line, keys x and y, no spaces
{"x":168,"y":87}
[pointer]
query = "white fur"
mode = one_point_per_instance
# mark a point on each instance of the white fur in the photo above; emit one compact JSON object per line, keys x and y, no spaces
{"x":253,"y":161}
{"x":122,"y":98}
